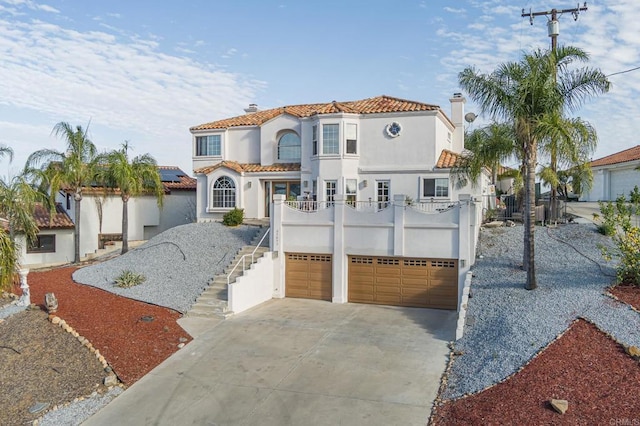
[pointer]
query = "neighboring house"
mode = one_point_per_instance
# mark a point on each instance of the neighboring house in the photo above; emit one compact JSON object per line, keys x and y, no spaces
{"x":362,"y":205}
{"x":614,"y":175}
{"x":102,"y":214}
{"x":54,"y":243}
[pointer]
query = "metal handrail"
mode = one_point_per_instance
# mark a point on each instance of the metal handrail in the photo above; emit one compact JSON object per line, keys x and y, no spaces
{"x":246,"y":255}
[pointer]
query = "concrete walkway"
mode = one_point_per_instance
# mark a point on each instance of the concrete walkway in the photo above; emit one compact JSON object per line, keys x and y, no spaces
{"x":297,"y":362}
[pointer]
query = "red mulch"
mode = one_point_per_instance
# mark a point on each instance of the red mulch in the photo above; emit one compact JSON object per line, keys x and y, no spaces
{"x":112,"y":323}
{"x":584,"y":366}
{"x":629,"y":294}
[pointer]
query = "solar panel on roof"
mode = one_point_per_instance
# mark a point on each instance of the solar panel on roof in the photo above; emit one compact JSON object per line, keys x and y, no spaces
{"x":171,"y":175}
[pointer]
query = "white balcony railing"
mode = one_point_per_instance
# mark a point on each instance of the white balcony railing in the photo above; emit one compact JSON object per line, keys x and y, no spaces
{"x":371,"y":206}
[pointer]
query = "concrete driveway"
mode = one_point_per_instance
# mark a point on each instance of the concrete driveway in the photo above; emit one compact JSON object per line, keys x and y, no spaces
{"x":297,"y":362}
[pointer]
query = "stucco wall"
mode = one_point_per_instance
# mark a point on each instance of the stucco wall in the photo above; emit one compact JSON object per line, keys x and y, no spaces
{"x":63,"y":254}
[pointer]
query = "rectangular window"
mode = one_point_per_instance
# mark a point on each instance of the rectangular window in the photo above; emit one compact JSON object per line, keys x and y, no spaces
{"x":208,"y":146}
{"x":351,"y":191}
{"x":352,"y":138}
{"x":330,"y":139}
{"x":331,"y":186}
{"x":314,"y":140}
{"x":435,"y":187}
{"x":383,"y":193}
{"x":42,"y":244}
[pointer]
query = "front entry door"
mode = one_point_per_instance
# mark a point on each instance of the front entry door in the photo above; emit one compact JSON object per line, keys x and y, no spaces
{"x":290,"y":189}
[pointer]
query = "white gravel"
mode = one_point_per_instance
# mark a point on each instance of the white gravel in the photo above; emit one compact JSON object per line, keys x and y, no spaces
{"x":512,"y":324}
{"x":177,"y":264}
{"x":77,"y":412}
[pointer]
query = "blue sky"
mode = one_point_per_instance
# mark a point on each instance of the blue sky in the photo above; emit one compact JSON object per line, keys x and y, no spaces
{"x":145,"y":71}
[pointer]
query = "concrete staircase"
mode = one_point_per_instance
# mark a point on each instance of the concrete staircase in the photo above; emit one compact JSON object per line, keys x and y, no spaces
{"x":212,"y":302}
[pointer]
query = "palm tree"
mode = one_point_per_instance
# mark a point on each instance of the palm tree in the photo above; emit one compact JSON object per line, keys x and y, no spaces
{"x":72,"y":170}
{"x":526,"y":93}
{"x":487,"y":148}
{"x":133,"y":178}
{"x":569,"y":143}
{"x":5,"y":150}
{"x":17,"y":204}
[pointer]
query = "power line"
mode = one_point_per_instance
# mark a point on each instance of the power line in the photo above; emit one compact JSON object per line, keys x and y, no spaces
{"x":623,"y":72}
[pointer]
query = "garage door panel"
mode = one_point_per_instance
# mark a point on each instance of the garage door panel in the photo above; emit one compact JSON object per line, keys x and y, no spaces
{"x":388,"y":299}
{"x":412,"y":282}
{"x":308,"y":276}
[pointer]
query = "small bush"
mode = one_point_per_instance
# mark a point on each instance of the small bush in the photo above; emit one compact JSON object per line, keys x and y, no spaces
{"x":129,"y":279}
{"x":616,"y":222}
{"x":233,"y":217}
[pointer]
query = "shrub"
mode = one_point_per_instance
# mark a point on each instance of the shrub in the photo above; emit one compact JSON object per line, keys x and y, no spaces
{"x":233,"y":217}
{"x":616,"y":222}
{"x":128,"y":279}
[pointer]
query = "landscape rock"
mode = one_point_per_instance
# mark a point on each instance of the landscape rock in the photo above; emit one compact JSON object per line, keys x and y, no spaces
{"x":110,"y":380}
{"x":634,"y":351}
{"x":560,"y":405}
{"x":51,"y":302}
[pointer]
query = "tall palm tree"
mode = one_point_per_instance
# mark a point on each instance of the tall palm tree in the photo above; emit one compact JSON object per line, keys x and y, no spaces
{"x":71,"y":170}
{"x":526,"y":93}
{"x":487,"y":148}
{"x":133,"y":178}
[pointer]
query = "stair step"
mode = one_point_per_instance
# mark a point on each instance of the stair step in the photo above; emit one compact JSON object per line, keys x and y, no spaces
{"x":207,"y":313}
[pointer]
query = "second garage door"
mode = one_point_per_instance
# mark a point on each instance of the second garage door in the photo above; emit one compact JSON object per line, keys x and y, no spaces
{"x":424,"y":283}
{"x":308,"y":276}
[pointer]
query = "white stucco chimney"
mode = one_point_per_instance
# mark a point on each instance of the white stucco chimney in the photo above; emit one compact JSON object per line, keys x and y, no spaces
{"x":457,"y":117}
{"x":251,"y":108}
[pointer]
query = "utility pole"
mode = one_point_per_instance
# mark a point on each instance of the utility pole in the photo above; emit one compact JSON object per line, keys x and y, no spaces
{"x":553,"y":26}
{"x":553,"y":29}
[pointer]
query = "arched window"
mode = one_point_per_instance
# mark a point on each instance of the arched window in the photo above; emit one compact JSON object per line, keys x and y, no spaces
{"x":224,"y":193}
{"x":289,"y":147}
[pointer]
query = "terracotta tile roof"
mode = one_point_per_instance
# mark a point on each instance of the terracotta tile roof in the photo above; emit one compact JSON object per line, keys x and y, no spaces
{"x":379,"y":104}
{"x":174,"y":178}
{"x":250,"y":167}
{"x":447,"y":159}
{"x":60,"y":220}
{"x":631,"y":154}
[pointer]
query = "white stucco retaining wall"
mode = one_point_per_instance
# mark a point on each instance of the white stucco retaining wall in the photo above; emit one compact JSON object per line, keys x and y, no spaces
{"x":255,"y":286}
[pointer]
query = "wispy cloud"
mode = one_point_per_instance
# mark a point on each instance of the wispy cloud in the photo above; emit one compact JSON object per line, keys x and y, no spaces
{"x":453,"y":10}
{"x":122,"y":83}
{"x":31,"y":5}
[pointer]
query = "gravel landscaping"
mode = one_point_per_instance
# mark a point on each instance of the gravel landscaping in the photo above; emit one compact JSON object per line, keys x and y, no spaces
{"x":177,"y":264}
{"x":508,"y":325}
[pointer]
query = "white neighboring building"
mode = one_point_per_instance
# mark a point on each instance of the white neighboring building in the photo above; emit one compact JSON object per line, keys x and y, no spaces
{"x":359,"y":195}
{"x":102,"y":216}
{"x":614,"y":175}
{"x":54,"y":243}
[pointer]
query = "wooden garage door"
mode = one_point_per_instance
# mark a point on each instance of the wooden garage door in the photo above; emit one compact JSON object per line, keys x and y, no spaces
{"x":308,"y":276}
{"x":424,"y":283}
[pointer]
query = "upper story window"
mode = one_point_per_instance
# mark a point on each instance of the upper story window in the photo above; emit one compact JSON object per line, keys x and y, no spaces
{"x":314,"y":140}
{"x":224,"y":193}
{"x":330,"y":139}
{"x":289,"y":147}
{"x":208,"y":145}
{"x":435,"y":187}
{"x":352,"y":138}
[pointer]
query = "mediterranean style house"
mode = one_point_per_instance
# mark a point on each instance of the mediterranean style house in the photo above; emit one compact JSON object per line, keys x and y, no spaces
{"x":367,"y":150}
{"x":358,"y":195}
{"x":614,"y":175}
